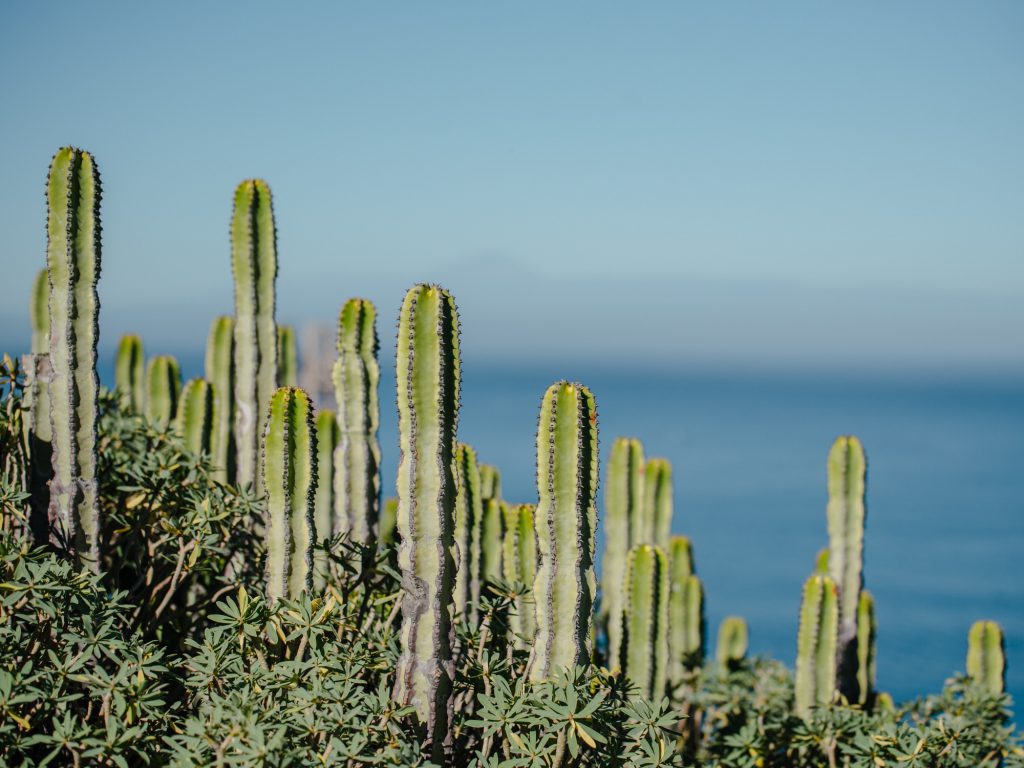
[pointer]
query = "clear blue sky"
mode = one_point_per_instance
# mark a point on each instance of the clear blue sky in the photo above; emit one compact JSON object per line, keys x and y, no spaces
{"x":681,"y":183}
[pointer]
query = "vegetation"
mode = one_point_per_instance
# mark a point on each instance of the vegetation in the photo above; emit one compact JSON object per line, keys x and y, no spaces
{"x":209,"y":576}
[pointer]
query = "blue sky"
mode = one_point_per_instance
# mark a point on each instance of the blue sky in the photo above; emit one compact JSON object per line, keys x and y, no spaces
{"x":720,"y":184}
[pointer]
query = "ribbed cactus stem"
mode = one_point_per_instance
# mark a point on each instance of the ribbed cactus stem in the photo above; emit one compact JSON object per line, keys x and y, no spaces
{"x":388,"y":522}
{"x":623,"y":496}
{"x":163,"y":390}
{"x":428,"y":377}
{"x":220,"y":372}
{"x":73,"y":263}
{"x":519,"y":564}
{"x":130,"y":373}
{"x":194,"y":419}
{"x":254,"y":265}
{"x":821,"y":562}
{"x":39,"y":313}
{"x":37,"y":428}
{"x":468,"y":515}
{"x":357,"y":456}
{"x":287,"y":357}
{"x":685,"y":623}
{"x":644,"y":655}
{"x":865,"y":649}
{"x":565,"y":586}
{"x":732,"y":643}
{"x":846,"y":512}
{"x":328,"y":435}
{"x":492,"y":539}
{"x":816,"y":645}
{"x":658,"y":500}
{"x":986,"y":657}
{"x":490,"y":482}
{"x":289,"y":485}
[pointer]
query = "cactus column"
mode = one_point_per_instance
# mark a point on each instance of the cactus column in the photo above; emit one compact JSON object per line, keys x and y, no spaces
{"x":38,"y":432}
{"x":194,"y":418}
{"x":357,"y":457}
{"x":289,"y":485}
{"x":519,"y":564}
{"x":816,"y":645}
{"x":986,"y":659}
{"x":428,"y":376}
{"x":327,"y":437}
{"x":254,"y":264}
{"x":220,"y":372}
{"x":645,"y":640}
{"x":130,"y":373}
{"x":163,"y":389}
{"x":566,"y":518}
{"x":73,"y":261}
{"x":686,"y":613}
{"x":468,"y":513}
{"x":732,"y":643}
{"x":658,"y":500}
{"x":287,"y":357}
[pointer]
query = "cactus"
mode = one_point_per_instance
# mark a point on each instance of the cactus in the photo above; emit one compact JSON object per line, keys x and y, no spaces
{"x":39,"y":313}
{"x":289,"y":485}
{"x":388,"y":522}
{"x":328,"y":435}
{"x":644,"y":653}
{"x":254,"y":265}
{"x":732,"y":643}
{"x":816,"y":645}
{"x":623,"y":497}
{"x":492,"y":537}
{"x":287,"y":357}
{"x":865,"y":649}
{"x":565,"y":585}
{"x":986,"y":658}
{"x":73,"y":263}
{"x":428,"y":373}
{"x":357,"y":457}
{"x":37,"y":429}
{"x":468,"y":514}
{"x":846,"y":513}
{"x":519,"y":564}
{"x":821,"y":562}
{"x":130,"y":373}
{"x":220,"y":372}
{"x":686,"y":625}
{"x":680,"y":554}
{"x":163,"y":389}
{"x":658,"y":500}
{"x":194,"y":419}
{"x":490,"y":482}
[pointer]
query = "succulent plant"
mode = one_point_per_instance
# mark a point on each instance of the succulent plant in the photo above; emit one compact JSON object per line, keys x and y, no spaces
{"x":519,"y":565}
{"x":328,"y":435}
{"x":287,"y":357}
{"x":986,"y":657}
{"x":163,"y":389}
{"x":658,"y":501}
{"x":130,"y":372}
{"x":732,"y":643}
{"x":815,"y":681}
{"x":468,"y":515}
{"x":644,"y":653}
{"x":220,"y":372}
{"x":194,"y":418}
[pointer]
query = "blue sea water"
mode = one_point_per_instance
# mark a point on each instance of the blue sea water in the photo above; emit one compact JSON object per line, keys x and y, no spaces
{"x":945,"y":527}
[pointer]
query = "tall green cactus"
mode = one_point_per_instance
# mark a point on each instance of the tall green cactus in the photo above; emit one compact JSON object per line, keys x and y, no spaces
{"x":428,"y":373}
{"x":519,"y":564}
{"x":732,"y":643}
{"x":130,"y":372}
{"x":38,"y":430}
{"x":468,"y":515}
{"x":865,"y":649}
{"x":686,"y":624}
{"x":565,"y":586}
{"x":357,"y":457}
{"x":658,"y":500}
{"x":986,"y":657}
{"x":73,"y":263}
{"x":220,"y":371}
{"x":492,"y":538}
{"x":287,"y":357}
{"x":821,"y":562}
{"x":254,"y":265}
{"x":194,"y":418}
{"x":644,"y":653}
{"x":328,"y":435}
{"x":816,"y":645}
{"x":163,"y":390}
{"x":289,"y":485}
{"x":490,"y":482}
{"x":623,"y":497}
{"x":39,"y":313}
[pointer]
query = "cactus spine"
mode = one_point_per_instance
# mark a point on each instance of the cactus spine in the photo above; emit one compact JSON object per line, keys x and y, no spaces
{"x":565,"y":585}
{"x":73,"y":263}
{"x":287,"y":357}
{"x":490,"y":482}
{"x":428,"y":375}
{"x":163,"y":389}
{"x":468,"y":514}
{"x":194,"y":419}
{"x":846,"y":512}
{"x":220,"y":372}
{"x":658,"y":500}
{"x":328,"y":435}
{"x":254,"y":265}
{"x":645,"y":641}
{"x":357,"y":457}
{"x":865,"y":649}
{"x":732,"y":643}
{"x":289,"y":485}
{"x":816,"y":645}
{"x":130,"y":373}
{"x":623,"y":497}
{"x":986,"y":659}
{"x":519,"y":564}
